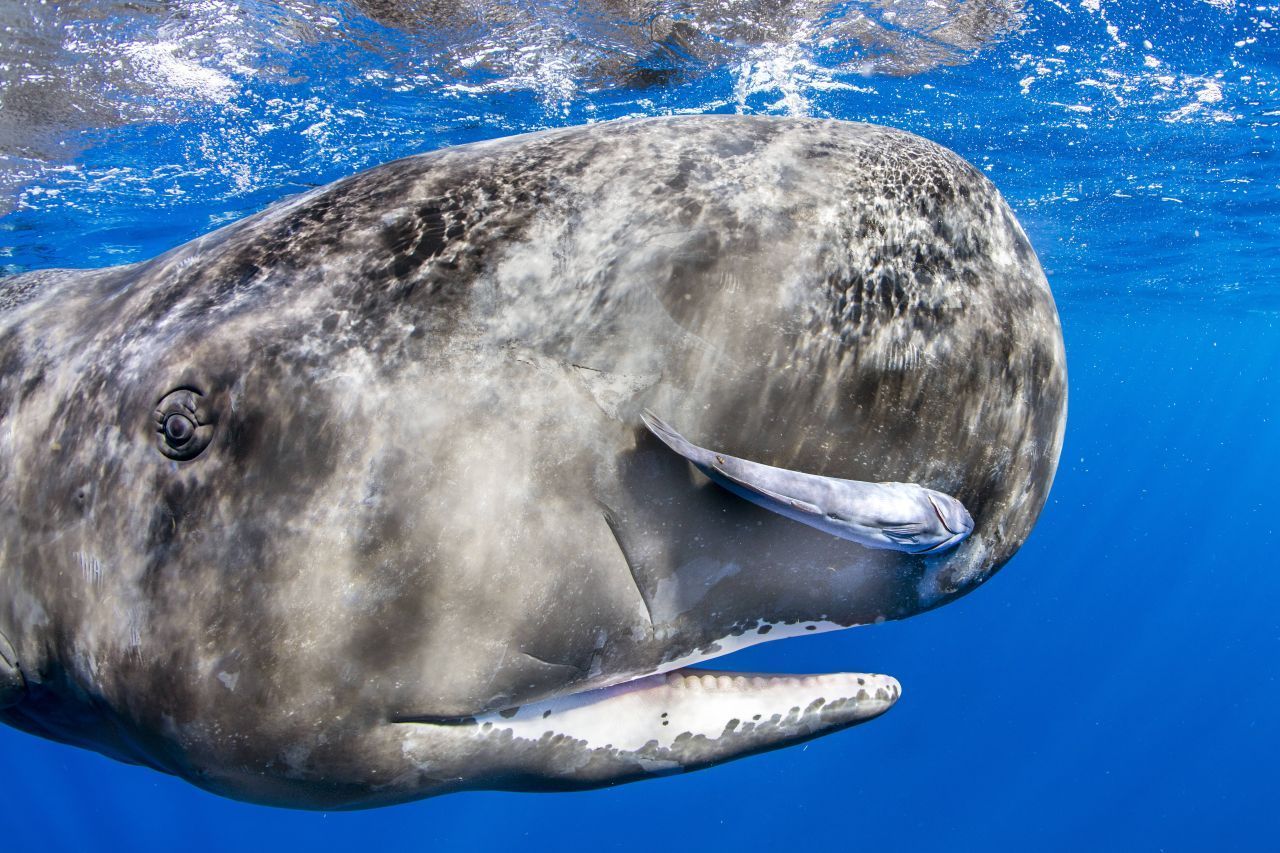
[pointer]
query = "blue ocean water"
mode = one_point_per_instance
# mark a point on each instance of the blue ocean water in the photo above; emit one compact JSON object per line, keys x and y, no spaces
{"x":1114,"y":687}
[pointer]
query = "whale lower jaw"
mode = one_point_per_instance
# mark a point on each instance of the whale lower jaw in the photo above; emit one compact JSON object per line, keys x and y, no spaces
{"x":663,"y":709}
{"x":675,"y":721}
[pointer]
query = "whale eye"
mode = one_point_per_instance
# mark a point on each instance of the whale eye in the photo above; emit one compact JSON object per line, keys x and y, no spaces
{"x":184,"y":426}
{"x":178,"y":430}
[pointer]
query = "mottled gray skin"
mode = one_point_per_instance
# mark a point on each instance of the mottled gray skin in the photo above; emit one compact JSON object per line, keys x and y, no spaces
{"x":428,"y":495}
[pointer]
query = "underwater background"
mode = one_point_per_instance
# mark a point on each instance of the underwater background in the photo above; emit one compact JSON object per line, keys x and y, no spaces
{"x":1116,"y":686}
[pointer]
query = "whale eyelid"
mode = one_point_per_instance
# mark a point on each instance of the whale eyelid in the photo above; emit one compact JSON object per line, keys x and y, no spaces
{"x":175,"y":389}
{"x":183,"y":409}
{"x":183,"y":403}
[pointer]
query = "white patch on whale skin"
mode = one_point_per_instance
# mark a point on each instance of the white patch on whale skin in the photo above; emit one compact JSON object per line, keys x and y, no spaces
{"x":682,"y":590}
{"x":613,"y":391}
{"x":659,"y":709}
{"x":229,"y":679}
{"x":90,"y":567}
{"x":762,"y":633}
{"x":35,"y":616}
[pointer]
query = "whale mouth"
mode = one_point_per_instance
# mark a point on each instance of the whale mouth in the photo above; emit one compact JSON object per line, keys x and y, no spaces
{"x":687,"y":717}
{"x":704,"y":703}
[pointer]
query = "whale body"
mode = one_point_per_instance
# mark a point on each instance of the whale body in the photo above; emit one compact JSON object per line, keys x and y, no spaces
{"x":353,"y":501}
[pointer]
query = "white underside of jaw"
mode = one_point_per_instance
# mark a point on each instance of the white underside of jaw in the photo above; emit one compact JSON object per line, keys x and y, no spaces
{"x":656,"y":710}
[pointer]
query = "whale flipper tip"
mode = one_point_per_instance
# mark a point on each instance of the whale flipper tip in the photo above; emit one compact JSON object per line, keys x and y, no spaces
{"x":674,"y":440}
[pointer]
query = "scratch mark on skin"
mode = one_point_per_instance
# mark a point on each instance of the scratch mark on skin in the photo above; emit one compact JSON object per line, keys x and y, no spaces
{"x":613,"y":529}
{"x":546,"y":662}
{"x":497,"y":668}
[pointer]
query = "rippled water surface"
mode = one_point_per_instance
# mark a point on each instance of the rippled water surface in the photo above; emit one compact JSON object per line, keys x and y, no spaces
{"x":1114,"y":687}
{"x":1116,"y":124}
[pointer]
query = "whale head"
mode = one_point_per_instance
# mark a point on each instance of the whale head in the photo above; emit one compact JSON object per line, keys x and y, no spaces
{"x":351,"y":502}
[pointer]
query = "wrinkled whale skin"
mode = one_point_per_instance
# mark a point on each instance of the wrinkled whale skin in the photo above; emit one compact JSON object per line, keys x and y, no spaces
{"x":429,"y":502}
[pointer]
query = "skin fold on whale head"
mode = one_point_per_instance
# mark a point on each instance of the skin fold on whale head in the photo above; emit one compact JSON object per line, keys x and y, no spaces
{"x":376,"y":494}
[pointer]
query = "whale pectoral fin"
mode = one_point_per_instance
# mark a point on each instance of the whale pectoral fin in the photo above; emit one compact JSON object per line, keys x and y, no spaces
{"x":768,"y":495}
{"x":903,"y":534}
{"x":736,"y":475}
{"x":697,"y":455}
{"x":925,"y":521}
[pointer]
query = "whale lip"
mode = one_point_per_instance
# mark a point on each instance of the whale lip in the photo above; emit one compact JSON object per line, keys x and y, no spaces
{"x":694,"y":717}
